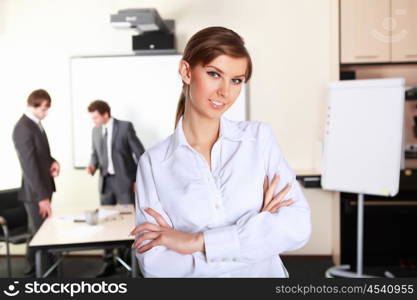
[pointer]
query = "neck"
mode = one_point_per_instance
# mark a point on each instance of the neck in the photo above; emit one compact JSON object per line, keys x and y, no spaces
{"x":32,"y":111}
{"x":199,"y":131}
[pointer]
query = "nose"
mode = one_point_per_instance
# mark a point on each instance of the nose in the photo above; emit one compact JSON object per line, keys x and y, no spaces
{"x":223,"y":89}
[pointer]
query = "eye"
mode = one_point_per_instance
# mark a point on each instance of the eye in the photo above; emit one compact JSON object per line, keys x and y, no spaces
{"x":237,"y":81}
{"x":213,"y":74}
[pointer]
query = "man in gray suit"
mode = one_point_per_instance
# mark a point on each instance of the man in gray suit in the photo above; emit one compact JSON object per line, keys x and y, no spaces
{"x":38,"y":166}
{"x":116,"y":152}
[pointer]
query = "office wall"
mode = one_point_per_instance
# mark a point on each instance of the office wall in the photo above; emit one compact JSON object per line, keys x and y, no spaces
{"x":293,"y":46}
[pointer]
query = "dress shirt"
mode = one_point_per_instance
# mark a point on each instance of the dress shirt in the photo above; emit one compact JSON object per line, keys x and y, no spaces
{"x":109,"y":126}
{"x":31,"y":116}
{"x":223,"y":203}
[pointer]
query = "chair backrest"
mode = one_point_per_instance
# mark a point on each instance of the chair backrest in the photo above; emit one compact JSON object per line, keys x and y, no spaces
{"x":12,"y":209}
{"x":8,"y":199}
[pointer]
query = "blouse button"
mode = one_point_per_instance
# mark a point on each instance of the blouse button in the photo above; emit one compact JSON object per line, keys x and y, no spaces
{"x":217,"y":206}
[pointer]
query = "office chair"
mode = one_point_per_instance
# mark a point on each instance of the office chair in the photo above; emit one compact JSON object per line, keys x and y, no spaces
{"x":13,"y":222}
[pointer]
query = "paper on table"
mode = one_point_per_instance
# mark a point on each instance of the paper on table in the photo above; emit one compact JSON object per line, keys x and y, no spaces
{"x":102,"y":214}
{"x":105,"y":213}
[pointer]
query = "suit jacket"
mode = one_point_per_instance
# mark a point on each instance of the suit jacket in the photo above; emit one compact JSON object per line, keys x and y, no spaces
{"x":35,"y":159}
{"x":126,"y":150}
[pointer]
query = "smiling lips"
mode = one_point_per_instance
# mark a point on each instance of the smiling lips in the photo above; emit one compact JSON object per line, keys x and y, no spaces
{"x":216,"y":104}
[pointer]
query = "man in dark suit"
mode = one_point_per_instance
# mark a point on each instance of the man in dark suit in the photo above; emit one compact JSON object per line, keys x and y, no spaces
{"x":116,"y":152}
{"x":38,"y":166}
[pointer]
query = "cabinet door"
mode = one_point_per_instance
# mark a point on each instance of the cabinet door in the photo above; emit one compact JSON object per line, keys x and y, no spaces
{"x":404,"y":30}
{"x":365,"y":34}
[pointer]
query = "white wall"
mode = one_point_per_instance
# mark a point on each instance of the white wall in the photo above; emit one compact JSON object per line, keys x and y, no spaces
{"x":293,"y":44}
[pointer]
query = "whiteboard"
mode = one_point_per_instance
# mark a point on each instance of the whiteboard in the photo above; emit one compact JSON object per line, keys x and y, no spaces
{"x":364,"y":136}
{"x":141,"y":89}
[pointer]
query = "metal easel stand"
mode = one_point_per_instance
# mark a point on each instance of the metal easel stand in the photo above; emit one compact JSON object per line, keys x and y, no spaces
{"x":343,"y":270}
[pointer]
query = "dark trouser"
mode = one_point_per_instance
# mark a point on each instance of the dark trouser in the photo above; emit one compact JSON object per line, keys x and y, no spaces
{"x":112,"y":196}
{"x":34,"y":223}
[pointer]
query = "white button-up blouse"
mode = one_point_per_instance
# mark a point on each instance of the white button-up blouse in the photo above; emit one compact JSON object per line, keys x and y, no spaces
{"x":223,"y":203}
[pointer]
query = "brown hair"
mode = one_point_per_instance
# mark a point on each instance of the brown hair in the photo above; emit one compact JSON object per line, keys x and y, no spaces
{"x":100,"y":106}
{"x":37,"y":97}
{"x":206,"y":45}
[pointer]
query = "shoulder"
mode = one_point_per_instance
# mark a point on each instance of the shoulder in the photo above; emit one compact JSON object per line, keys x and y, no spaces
{"x":157,"y":153}
{"x":124,"y":125}
{"x":23,"y":126}
{"x":121,"y":122}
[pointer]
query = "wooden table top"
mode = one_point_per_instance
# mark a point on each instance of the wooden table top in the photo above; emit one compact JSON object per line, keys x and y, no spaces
{"x":62,"y":230}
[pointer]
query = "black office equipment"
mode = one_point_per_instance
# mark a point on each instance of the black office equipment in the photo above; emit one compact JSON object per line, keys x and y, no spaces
{"x":155,"y":35}
{"x":347,"y":75}
{"x":156,"y":40}
{"x":411,"y":93}
{"x":310,"y":181}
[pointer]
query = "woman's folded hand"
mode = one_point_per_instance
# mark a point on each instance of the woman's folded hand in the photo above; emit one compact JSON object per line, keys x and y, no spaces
{"x":273,"y":203}
{"x":161,"y":234}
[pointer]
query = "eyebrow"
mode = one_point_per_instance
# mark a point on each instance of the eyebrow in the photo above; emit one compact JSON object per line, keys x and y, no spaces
{"x":221,"y":72}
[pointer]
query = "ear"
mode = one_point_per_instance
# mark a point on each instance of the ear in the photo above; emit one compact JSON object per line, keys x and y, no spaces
{"x":185,"y":71}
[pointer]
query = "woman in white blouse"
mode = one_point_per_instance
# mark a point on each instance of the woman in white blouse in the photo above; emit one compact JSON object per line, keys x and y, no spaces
{"x":216,"y":198}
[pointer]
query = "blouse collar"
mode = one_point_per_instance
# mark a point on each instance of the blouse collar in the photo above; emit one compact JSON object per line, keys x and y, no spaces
{"x":228,"y":130}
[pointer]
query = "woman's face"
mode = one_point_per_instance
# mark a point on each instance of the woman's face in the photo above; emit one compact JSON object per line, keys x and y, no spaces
{"x":214,"y":87}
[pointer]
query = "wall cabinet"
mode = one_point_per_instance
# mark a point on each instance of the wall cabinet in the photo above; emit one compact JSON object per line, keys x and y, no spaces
{"x":375,"y":31}
{"x":404,"y":33}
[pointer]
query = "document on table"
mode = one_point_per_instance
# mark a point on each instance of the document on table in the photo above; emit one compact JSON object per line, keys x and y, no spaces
{"x":102,"y":215}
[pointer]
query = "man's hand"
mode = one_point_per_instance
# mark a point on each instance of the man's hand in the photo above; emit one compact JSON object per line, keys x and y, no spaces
{"x":45,"y":209}
{"x":54,"y":169}
{"x":134,"y":187}
{"x":91,"y":170}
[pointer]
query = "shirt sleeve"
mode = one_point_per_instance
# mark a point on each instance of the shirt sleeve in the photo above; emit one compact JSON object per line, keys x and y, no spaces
{"x":93,"y":157}
{"x":160,"y":261}
{"x":257,"y":236}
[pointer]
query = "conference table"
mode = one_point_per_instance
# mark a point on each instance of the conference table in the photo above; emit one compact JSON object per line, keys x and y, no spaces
{"x":66,"y":233}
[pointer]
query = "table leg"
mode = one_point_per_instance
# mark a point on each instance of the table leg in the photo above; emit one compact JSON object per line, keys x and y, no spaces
{"x":133,"y":263}
{"x":38,"y":263}
{"x":59,"y":267}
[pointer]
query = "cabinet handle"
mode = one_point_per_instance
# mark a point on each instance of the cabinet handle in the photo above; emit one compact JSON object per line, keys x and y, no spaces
{"x":365,"y":56}
{"x":411,"y":56}
{"x":386,"y":203}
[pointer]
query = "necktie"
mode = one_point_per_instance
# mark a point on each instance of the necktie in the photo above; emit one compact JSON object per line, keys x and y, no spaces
{"x":40,"y":127}
{"x":105,"y":163}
